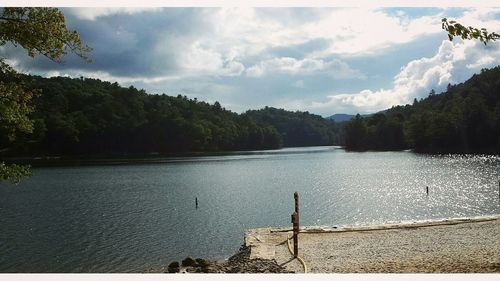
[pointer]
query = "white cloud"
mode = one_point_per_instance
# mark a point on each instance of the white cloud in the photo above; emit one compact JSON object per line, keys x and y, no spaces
{"x":235,"y":34}
{"x":484,"y":61}
{"x":358,"y":32}
{"x":202,"y":60}
{"x":335,"y":68}
{"x":453,"y":63}
{"x":94,"y":13}
{"x":229,"y":36}
{"x":285,"y":65}
{"x":245,"y":32}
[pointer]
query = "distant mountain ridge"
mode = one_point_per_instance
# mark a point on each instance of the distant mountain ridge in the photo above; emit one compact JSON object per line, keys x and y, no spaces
{"x":340,"y":117}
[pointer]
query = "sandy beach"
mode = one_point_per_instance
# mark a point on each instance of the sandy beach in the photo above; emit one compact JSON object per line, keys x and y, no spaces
{"x":464,"y":245}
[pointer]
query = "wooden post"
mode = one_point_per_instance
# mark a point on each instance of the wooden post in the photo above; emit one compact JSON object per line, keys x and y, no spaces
{"x":295,"y":222}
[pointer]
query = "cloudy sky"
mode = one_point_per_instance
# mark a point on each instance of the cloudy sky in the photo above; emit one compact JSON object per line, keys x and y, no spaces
{"x":321,"y":60}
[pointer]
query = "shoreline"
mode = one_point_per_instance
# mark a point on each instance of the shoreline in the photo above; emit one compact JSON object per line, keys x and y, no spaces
{"x":385,"y":226}
{"x":403,"y":247}
{"x":144,"y":158}
{"x":455,"y":245}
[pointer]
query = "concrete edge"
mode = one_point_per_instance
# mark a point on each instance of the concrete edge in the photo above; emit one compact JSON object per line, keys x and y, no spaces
{"x":346,"y":228}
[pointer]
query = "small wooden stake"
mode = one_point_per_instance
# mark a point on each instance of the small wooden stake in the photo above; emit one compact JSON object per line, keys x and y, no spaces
{"x":295,"y":223}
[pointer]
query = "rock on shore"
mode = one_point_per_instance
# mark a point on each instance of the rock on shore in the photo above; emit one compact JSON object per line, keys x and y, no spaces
{"x":238,"y":263}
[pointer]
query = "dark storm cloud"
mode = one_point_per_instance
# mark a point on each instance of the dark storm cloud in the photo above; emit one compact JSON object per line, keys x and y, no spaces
{"x":142,"y":44}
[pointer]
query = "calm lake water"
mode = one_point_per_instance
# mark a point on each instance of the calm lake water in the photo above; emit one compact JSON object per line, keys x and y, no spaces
{"x":129,"y":217}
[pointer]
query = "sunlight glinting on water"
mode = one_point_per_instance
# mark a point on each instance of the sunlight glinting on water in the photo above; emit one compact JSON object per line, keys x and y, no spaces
{"x":130,"y":217}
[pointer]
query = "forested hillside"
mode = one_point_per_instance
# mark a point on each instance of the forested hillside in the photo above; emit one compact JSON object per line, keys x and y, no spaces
{"x":297,"y":128}
{"x":93,"y":117}
{"x":465,"y":118}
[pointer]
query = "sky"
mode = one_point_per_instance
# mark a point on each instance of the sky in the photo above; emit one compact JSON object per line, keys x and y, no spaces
{"x":322,"y":60}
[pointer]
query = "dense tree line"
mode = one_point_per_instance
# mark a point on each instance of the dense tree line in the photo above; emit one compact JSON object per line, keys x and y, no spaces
{"x":92,"y":117}
{"x":464,"y":118}
{"x":297,"y":128}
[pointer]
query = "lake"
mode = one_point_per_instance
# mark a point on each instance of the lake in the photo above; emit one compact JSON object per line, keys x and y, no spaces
{"x":129,"y":217}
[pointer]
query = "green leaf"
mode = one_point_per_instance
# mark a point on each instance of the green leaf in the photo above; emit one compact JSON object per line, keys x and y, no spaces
{"x":13,"y":172}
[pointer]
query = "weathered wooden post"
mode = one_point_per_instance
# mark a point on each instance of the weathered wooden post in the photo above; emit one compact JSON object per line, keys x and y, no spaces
{"x":295,"y":222}
{"x":296,"y":197}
